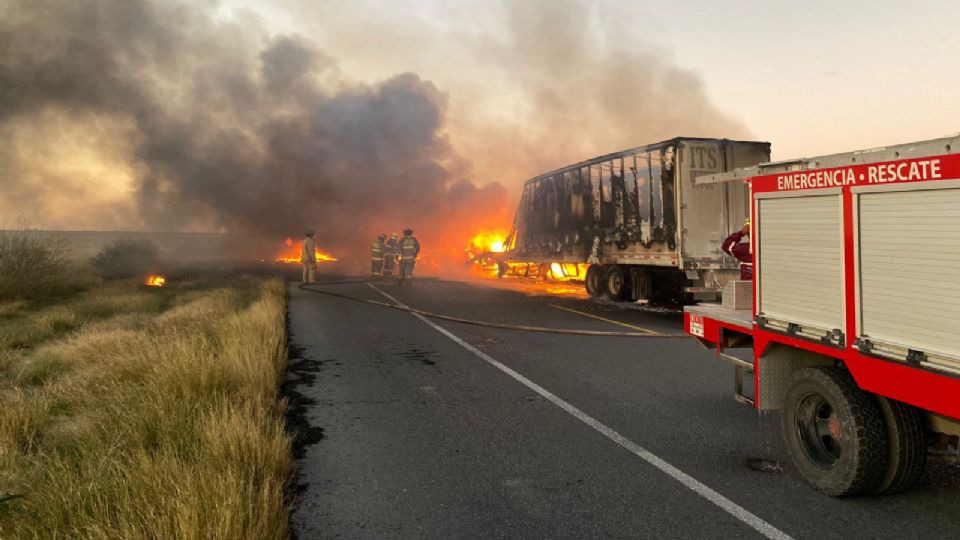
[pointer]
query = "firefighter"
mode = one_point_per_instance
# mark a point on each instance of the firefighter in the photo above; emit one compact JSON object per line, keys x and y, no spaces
{"x":740,"y":251}
{"x":390,"y":253}
{"x":409,"y":249}
{"x":308,"y":257}
{"x":376,"y":256}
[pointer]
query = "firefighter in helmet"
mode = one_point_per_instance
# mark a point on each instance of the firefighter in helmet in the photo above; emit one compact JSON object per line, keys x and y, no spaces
{"x":740,"y":250}
{"x":376,"y":256}
{"x":409,"y":249}
{"x":308,"y":257}
{"x":390,"y":252}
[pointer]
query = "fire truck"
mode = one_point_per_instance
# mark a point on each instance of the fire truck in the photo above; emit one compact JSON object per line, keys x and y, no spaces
{"x":632,"y":224}
{"x":851,"y":325}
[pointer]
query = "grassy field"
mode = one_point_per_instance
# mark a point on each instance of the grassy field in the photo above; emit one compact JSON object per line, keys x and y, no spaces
{"x":134,"y":412}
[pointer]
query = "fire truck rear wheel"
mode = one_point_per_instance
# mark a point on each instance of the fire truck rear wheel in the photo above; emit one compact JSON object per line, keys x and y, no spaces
{"x":834,"y":432}
{"x":594,"y":280}
{"x":618,"y":283}
{"x":908,"y":452}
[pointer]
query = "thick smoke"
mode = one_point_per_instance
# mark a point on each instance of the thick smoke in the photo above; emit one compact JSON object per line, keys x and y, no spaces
{"x":166,"y":115}
{"x":533,"y":84}
{"x":220,"y":126}
{"x":590,"y":83}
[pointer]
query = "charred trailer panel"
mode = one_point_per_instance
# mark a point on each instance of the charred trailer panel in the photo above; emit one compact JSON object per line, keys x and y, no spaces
{"x":639,"y":218}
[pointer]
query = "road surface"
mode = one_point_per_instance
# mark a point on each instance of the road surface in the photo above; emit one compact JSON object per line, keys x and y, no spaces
{"x":410,"y":428}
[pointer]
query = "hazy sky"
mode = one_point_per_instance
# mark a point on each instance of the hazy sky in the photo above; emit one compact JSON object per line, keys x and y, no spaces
{"x":812,"y":77}
{"x":211,"y":114}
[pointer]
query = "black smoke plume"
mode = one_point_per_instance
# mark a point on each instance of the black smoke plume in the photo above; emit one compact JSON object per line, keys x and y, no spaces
{"x":222,"y":127}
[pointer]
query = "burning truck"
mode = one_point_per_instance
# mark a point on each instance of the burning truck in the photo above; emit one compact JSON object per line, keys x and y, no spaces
{"x":635,"y":224}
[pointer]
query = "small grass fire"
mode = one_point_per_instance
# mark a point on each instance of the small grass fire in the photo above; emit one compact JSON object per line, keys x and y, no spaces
{"x":154,"y":280}
{"x":291,"y":254}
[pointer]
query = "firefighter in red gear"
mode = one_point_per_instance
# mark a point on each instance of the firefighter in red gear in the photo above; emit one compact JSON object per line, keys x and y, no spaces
{"x":740,"y":251}
{"x":376,"y":256}
{"x":409,"y":249}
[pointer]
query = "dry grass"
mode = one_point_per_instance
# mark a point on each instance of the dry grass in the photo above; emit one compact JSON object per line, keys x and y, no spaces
{"x":34,"y":266}
{"x":147,"y":414}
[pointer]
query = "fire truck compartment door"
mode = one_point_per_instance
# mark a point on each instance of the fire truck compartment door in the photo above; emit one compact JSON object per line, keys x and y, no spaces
{"x":909,"y":252}
{"x":800,"y":259}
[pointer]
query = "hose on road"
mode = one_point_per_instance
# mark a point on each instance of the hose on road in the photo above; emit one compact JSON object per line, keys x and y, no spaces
{"x":488,"y":324}
{"x":342,"y":282}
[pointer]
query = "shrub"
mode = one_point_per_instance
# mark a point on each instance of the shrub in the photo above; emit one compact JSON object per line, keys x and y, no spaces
{"x":33,"y":266}
{"x":126,"y":259}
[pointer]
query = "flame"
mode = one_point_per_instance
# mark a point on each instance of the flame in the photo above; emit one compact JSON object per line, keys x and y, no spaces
{"x":483,"y":249}
{"x":490,"y":241}
{"x":292,"y":254}
{"x":562,"y":279}
{"x":154,"y":280}
{"x":568,"y":271}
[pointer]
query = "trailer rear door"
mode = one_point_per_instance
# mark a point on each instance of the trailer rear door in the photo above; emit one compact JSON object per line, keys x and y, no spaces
{"x":909,"y":251}
{"x":711,"y":211}
{"x":800,"y":262}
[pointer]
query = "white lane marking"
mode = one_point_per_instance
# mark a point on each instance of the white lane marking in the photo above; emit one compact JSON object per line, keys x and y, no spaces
{"x":690,"y":482}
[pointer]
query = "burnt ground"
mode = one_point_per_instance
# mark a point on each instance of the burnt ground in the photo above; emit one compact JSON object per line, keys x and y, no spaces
{"x":403,"y":433}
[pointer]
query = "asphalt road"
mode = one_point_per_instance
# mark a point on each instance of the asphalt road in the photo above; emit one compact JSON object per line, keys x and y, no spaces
{"x":409,"y":432}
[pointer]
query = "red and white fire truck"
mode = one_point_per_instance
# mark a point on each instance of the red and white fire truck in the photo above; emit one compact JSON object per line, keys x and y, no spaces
{"x":853,"y":315}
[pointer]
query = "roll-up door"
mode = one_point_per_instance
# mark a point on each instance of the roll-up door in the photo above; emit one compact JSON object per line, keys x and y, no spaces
{"x":909,"y":292}
{"x":800,"y":264}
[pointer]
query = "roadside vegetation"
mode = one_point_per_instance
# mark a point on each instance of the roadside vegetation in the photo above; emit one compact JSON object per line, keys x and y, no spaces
{"x":33,"y":267}
{"x":139,"y":412}
{"x":127,"y":259}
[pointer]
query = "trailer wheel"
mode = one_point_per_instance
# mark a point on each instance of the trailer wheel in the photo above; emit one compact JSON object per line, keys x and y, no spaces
{"x":834,"y":432}
{"x":618,"y":283}
{"x":908,"y":453}
{"x":594,"y":280}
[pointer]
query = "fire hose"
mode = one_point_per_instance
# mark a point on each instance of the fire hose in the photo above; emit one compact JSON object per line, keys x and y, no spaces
{"x":488,"y":324}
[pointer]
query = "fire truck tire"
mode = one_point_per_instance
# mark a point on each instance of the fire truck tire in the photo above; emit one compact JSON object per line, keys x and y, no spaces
{"x":834,"y":432}
{"x":618,"y":283}
{"x":594,"y":280}
{"x":908,"y":452}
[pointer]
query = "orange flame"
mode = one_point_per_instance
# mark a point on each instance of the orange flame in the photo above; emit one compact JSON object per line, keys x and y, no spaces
{"x":560,"y":279}
{"x":568,"y":271}
{"x":154,"y":280}
{"x":490,"y":241}
{"x":292,"y":254}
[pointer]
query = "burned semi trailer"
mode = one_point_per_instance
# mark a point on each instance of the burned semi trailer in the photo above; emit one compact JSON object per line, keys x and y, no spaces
{"x":646,"y":229}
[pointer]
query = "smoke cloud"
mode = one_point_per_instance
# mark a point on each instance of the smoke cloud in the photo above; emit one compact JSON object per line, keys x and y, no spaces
{"x":535,"y":84}
{"x":220,"y":126}
{"x":589,"y":85}
{"x":165,"y":115}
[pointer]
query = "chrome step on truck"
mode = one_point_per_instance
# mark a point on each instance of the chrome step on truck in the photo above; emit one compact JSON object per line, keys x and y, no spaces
{"x":735,"y":311}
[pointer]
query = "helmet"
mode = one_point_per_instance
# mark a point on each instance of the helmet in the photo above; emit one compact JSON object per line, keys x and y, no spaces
{"x":408,"y":231}
{"x":394,"y":236}
{"x":746,"y":223}
{"x":382,"y":236}
{"x":309,"y":232}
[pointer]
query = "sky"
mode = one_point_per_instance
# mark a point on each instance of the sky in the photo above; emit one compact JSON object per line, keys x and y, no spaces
{"x":211,"y":115}
{"x":813,"y":77}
